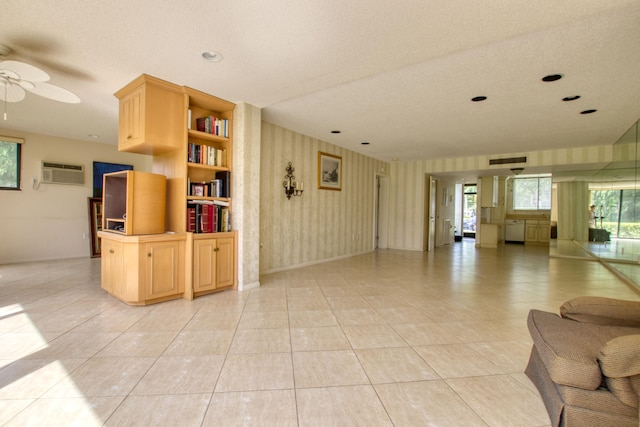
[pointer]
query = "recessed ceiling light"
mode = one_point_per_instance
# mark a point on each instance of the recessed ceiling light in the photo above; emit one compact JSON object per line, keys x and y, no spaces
{"x":91,"y":135}
{"x":478,"y":98}
{"x":571,"y":98}
{"x":364,"y":143}
{"x":588,"y":111}
{"x":212,"y":56}
{"x":552,"y":77}
{"x":336,"y":131}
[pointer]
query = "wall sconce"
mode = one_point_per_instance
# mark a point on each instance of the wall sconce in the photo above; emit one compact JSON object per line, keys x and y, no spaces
{"x":291,"y":187}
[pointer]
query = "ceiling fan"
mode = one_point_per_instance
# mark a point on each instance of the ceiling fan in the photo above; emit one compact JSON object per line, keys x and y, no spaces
{"x":17,"y":77}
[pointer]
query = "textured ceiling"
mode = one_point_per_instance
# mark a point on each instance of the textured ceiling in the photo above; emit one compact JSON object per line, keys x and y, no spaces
{"x":399,"y":75}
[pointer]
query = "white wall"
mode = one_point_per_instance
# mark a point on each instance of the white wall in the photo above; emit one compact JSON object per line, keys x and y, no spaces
{"x":322,"y":224}
{"x":49,"y":223}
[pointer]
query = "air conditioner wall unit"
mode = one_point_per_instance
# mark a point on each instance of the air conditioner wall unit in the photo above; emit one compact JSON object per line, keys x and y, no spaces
{"x":59,"y":173}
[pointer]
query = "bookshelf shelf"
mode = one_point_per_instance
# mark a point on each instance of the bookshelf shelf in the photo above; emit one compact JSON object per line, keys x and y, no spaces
{"x":207,"y":167}
{"x":207,"y":136}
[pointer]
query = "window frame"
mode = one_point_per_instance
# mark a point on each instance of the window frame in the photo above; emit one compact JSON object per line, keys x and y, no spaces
{"x":537,"y":208}
{"x":18,"y":142}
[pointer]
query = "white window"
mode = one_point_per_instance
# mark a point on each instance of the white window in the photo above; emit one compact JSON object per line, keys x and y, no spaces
{"x":532,"y":193}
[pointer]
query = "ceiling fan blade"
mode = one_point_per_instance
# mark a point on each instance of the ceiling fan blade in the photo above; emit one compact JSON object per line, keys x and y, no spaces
{"x":14,"y":93}
{"x":54,"y":92}
{"x":25,"y":71}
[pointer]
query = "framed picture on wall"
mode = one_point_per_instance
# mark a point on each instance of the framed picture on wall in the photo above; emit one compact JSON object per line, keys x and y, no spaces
{"x":329,"y":171}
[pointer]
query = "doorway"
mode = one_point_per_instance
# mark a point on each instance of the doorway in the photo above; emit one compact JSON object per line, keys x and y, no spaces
{"x":430,"y":206}
{"x":381,"y":213}
{"x":470,"y":207}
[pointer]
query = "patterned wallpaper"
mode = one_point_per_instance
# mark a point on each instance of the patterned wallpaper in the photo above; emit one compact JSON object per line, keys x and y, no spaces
{"x":322,"y":224}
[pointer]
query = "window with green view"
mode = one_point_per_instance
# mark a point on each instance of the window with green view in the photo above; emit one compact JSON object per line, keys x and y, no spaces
{"x":532,"y":193}
{"x":10,"y":149}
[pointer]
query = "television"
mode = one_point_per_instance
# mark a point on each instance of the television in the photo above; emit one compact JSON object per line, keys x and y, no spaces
{"x":99,"y":169}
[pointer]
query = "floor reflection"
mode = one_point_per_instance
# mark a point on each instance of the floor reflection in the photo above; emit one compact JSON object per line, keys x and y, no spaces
{"x":622,"y":256}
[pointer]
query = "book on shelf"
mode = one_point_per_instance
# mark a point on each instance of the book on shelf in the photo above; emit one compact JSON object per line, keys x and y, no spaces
{"x":213,"y":125}
{"x":206,"y":155}
{"x":205,"y":216}
{"x":213,"y":188}
{"x":225,"y":179}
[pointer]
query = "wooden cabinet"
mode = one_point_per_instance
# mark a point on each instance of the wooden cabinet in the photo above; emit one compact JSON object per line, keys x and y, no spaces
{"x":112,"y":267}
{"x":134,"y":202}
{"x":537,"y":231}
{"x":190,"y":136}
{"x":143,"y":269}
{"x":489,"y":192}
{"x":213,"y":263}
{"x":152,"y":116}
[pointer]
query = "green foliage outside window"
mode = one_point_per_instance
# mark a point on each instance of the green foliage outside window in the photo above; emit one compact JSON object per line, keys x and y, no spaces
{"x":532,"y":193}
{"x":9,"y":165}
{"x":618,"y":212}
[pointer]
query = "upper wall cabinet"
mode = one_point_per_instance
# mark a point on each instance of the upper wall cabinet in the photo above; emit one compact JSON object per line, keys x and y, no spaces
{"x":152,"y":116}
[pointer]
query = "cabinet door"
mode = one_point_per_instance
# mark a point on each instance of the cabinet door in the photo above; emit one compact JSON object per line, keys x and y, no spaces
{"x":531,"y":232}
{"x":204,"y":265}
{"x":162,"y":269}
{"x":544,"y":231}
{"x":112,"y":274}
{"x":225,"y":261}
{"x":130,"y":126}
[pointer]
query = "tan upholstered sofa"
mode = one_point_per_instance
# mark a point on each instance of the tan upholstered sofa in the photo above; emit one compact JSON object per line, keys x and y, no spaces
{"x":586,"y":361}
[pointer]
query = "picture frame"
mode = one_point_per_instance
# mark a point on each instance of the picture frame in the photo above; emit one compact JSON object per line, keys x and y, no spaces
{"x":95,"y":225}
{"x":329,"y":171}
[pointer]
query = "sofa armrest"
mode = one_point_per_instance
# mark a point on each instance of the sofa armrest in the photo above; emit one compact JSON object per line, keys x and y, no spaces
{"x":620,"y":357}
{"x":602,"y":311}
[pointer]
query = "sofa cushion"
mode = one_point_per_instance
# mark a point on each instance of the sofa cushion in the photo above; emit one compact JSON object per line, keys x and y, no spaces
{"x":602,"y":311}
{"x":620,"y":363}
{"x":620,"y":357}
{"x":570,"y":349}
{"x":623,"y":389}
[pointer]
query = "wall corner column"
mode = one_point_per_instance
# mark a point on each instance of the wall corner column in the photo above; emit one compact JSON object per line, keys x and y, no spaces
{"x":246,"y":193}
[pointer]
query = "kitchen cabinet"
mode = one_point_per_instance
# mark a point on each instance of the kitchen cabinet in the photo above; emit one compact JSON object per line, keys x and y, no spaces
{"x":537,"y":231}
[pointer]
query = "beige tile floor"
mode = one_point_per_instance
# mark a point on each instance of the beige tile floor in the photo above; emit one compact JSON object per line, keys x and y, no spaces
{"x":393,"y":338}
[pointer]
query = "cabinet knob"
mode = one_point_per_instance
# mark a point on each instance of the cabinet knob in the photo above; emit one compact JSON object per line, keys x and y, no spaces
{"x":129,"y":136}
{"x":110,"y":251}
{"x":149,"y":254}
{"x":216,"y":249}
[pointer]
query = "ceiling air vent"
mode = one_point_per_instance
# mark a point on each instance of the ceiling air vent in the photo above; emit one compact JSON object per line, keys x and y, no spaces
{"x":58,"y":173}
{"x":509,"y":161}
